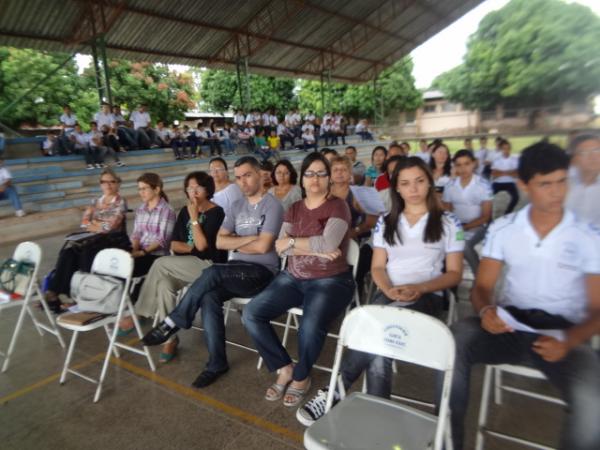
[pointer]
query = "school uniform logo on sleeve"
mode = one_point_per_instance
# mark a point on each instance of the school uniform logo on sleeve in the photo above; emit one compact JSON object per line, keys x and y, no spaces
{"x":460,"y":235}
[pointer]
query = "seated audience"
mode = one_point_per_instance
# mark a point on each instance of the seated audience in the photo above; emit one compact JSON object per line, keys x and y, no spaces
{"x":104,"y":224}
{"x":412,"y":245}
{"x":549,"y":264}
{"x":314,"y":238}
{"x":378,"y":156}
{"x":584,"y":178}
{"x":285,"y":189}
{"x":358,"y":167}
{"x":441,"y":166}
{"x":470,"y":198}
{"x":248,"y":231}
{"x":194,"y":247}
{"x":8,"y":191}
{"x":504,"y":171}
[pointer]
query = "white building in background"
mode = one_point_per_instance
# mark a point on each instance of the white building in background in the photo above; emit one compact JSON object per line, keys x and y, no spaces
{"x":440,"y":117}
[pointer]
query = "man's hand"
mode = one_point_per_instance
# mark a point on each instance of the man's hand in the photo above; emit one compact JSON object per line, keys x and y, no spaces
{"x":410,"y":292}
{"x":137,"y":253}
{"x":491,"y":323}
{"x":550,"y":349}
{"x":281,"y":245}
{"x":331,"y":255}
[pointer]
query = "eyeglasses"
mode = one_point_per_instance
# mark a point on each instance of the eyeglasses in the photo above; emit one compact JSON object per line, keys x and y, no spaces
{"x":196,"y":190}
{"x":108,"y":182}
{"x":312,"y":174}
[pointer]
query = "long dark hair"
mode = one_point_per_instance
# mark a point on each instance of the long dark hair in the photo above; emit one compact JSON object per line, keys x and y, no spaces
{"x":447,"y":165}
{"x":154,"y":181}
{"x":434,"y":228}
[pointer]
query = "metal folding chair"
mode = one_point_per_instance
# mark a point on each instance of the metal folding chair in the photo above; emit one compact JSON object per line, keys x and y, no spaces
{"x":31,"y":253}
{"x":117,"y":263}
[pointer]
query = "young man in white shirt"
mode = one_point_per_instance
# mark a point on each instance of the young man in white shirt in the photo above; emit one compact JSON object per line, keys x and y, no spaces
{"x":504,"y":171}
{"x":584,"y":178}
{"x":67,"y":122}
{"x":127,"y":135}
{"x":142,"y":125}
{"x":551,"y":263}
{"x":470,"y":198}
{"x":308,"y":138}
{"x":104,"y":116}
{"x":81,"y":143}
{"x":8,"y":191}
{"x":484,"y":168}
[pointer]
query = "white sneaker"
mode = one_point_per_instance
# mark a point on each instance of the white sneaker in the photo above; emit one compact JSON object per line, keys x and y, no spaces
{"x":313,"y":409}
{"x":20,"y":213}
{"x":90,"y":167}
{"x":120,"y":163}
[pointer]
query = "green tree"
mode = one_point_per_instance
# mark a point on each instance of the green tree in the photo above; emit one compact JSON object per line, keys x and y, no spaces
{"x":396,"y":89}
{"x":168,"y":95}
{"x":529,"y":53}
{"x":22,"y":69}
{"x":219,"y":92}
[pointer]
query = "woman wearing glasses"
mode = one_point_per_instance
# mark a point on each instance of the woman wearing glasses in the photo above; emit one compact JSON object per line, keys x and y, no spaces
{"x":103,"y":223}
{"x":193,"y":245}
{"x":314,"y":237}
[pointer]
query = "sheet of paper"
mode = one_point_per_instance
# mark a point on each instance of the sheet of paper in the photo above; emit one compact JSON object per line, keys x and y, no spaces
{"x":369,"y":199}
{"x":79,"y":236}
{"x":509,"y":320}
{"x":74,"y":308}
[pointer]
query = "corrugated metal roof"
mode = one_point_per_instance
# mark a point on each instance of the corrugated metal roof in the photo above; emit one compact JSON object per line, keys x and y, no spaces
{"x":352,"y":40}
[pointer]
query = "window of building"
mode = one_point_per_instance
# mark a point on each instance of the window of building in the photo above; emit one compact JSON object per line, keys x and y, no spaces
{"x":429,"y":108}
{"x":449,"y":107}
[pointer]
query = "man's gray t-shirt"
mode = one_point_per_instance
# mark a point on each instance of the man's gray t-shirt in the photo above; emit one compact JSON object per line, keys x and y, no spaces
{"x":250,"y":220}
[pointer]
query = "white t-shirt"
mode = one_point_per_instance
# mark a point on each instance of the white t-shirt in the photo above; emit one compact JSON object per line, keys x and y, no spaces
{"x":249,"y":118}
{"x":505,"y":163}
{"x":5,"y":175}
{"x":547,"y":274}
{"x":239,"y":119}
{"x":308,"y":126}
{"x":308,"y":137}
{"x":104,"y":119}
{"x":466,"y":202}
{"x":425,"y":156}
{"x":413,"y":260}
{"x":140,"y":119}
{"x":225,"y":197}
{"x":273,"y":120}
{"x":68,"y":121}
{"x":296,"y":119}
{"x":584,"y":200}
{"x":265,"y":119}
{"x":442,"y":182}
{"x":81,"y":139}
{"x":481,"y":156}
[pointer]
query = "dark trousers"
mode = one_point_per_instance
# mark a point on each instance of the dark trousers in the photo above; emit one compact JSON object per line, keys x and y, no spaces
{"x":511,"y":189}
{"x":216,"y":285}
{"x":141,"y":267}
{"x":577,"y":377}
{"x":76,"y":256}
{"x":322,"y":300}
{"x":379,"y":368}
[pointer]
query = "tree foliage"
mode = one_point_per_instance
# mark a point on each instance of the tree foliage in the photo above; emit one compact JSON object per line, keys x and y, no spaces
{"x":167,"y":94}
{"x":395,"y":86}
{"x":219,"y":92}
{"x":531,"y":52}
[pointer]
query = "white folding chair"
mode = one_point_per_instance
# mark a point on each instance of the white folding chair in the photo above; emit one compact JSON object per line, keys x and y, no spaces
{"x":494,"y":374}
{"x":32,"y":253}
{"x":364,"y":421}
{"x":117,"y":263}
{"x":293,"y":313}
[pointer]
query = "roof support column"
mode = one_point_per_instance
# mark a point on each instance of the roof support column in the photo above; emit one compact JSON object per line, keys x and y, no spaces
{"x":243,"y":83}
{"x":377,"y":103}
{"x":101,"y":70}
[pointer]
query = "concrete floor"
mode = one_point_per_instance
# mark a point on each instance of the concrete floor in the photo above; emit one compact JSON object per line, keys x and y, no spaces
{"x":142,"y":410}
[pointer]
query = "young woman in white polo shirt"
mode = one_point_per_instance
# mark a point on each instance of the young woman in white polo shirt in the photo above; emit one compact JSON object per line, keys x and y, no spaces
{"x":469,"y":197}
{"x":550,"y":266}
{"x":504,"y":171}
{"x":411,"y":245}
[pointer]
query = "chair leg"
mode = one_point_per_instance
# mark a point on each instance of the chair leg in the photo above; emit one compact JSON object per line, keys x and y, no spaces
{"x":108,"y":331}
{"x":138,"y":329}
{"x":484,"y":407}
{"x":34,"y":320}
{"x":50,"y":317}
{"x":497,"y":386}
{"x":13,"y":340}
{"x":63,"y":375}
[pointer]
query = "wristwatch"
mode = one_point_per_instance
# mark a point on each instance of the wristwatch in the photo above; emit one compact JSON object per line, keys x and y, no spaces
{"x":291,"y":243}
{"x":194,"y":222}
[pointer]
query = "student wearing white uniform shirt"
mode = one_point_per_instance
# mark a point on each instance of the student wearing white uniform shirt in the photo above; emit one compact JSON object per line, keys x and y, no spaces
{"x":104,"y":116}
{"x":483,"y":165}
{"x":441,"y":166}
{"x":469,"y":197}
{"x":411,"y":245}
{"x":551,"y":263}
{"x":8,"y":191}
{"x":584,"y":180}
{"x":141,"y":124}
{"x":127,"y":135}
{"x":504,"y":171}
{"x":239,"y":118}
{"x":67,"y":122}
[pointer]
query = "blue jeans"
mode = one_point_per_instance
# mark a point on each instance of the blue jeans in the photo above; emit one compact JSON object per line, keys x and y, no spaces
{"x":322,"y":300}
{"x":577,"y":377}
{"x":379,"y":368}
{"x":10,"y":193}
{"x":217,"y":284}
